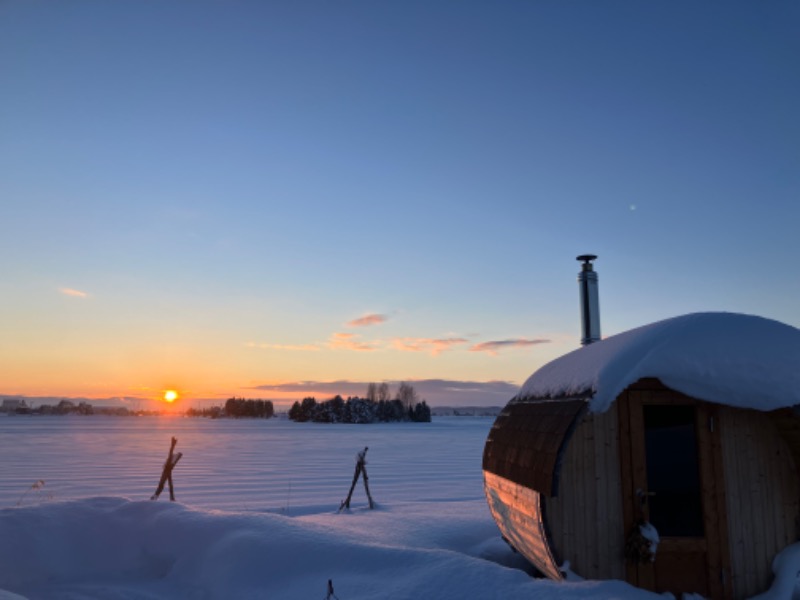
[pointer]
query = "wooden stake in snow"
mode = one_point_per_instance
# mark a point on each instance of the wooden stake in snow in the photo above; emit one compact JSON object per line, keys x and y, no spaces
{"x":330,"y":591}
{"x":166,"y":474}
{"x":361,"y":467}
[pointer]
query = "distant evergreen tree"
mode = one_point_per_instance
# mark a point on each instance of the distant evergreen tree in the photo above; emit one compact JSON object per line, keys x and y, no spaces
{"x":362,"y":410}
{"x":294,"y":412}
{"x":307,"y":408}
{"x":65,"y":407}
{"x":347,"y":416}
{"x":240,"y":407}
{"x":384,"y":411}
{"x":398,"y":412}
{"x":422,"y":413}
{"x":336,"y":409}
{"x":323,"y":413}
{"x":303,"y":411}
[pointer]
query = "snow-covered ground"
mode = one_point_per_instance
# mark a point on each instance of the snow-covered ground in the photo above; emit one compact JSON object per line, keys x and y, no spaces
{"x":256,"y":515}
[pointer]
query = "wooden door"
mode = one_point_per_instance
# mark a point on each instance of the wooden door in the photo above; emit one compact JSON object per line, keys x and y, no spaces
{"x":672,"y":478}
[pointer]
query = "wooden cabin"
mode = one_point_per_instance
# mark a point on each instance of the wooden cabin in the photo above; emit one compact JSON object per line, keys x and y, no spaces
{"x":688,"y":424}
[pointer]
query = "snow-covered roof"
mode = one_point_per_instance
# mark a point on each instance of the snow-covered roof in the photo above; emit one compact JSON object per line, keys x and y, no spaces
{"x":727,"y":358}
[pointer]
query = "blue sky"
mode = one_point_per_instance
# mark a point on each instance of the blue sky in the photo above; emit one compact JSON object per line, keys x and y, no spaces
{"x":207,"y":195}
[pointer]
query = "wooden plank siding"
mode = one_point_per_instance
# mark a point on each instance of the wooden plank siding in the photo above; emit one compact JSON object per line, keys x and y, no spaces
{"x":517,"y":510}
{"x":787,"y":421}
{"x":645,"y":576}
{"x":629,"y":505}
{"x":526,"y":441}
{"x":762,"y":496}
{"x":712,"y":483}
{"x":585,"y":519}
{"x":719,"y":500}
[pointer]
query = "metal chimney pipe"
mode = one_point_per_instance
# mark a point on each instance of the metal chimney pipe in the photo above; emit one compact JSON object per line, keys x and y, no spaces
{"x":590,"y":300}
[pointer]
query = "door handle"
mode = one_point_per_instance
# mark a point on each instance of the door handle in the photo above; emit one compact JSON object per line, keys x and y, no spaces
{"x":643,"y":496}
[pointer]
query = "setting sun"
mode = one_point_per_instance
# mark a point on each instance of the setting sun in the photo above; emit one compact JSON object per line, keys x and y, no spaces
{"x":170,"y":395}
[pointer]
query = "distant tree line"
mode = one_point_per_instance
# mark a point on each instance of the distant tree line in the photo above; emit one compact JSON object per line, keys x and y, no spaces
{"x":211,"y":412}
{"x":377,"y":407}
{"x":240,"y":407}
{"x":234,"y":407}
{"x":65,"y":407}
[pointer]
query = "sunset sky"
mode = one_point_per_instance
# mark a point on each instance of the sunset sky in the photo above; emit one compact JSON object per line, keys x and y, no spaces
{"x":261,"y":198}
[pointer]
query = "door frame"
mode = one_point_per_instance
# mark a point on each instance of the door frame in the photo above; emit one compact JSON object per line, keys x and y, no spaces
{"x":634,"y":476}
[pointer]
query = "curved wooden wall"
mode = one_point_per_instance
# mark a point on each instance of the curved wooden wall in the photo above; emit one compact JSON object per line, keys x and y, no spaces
{"x":517,"y":510}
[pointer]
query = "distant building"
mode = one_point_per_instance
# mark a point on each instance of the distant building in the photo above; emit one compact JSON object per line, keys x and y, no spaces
{"x":13,"y":405}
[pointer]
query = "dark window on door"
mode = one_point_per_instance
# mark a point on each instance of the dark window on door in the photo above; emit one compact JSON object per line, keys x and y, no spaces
{"x":673,"y":475}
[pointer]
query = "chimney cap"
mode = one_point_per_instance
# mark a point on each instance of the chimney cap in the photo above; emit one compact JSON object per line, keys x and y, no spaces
{"x":586,"y":258}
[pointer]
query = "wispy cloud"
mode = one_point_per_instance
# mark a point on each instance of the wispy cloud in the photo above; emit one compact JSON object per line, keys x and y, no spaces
{"x":350,"y":341}
{"x":337,"y":341}
{"x":433,"y":345}
{"x":494,"y":346}
{"x":440,"y":392}
{"x":367,"y":320}
{"x":342,"y":386}
{"x":73,"y":293}
{"x":293,"y":347}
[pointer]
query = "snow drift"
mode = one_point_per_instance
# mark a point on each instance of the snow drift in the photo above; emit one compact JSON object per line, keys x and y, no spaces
{"x":114,"y":548}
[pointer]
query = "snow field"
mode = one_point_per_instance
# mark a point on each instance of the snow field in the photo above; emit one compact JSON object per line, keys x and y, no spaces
{"x":237,"y":531}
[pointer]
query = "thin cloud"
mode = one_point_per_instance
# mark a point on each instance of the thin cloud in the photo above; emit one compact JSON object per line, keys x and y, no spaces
{"x":349,"y":341}
{"x":73,"y":293}
{"x":440,"y":392}
{"x":493,"y":388}
{"x":433,"y":345}
{"x":497,"y":345}
{"x":343,"y":387}
{"x":367,"y":320}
